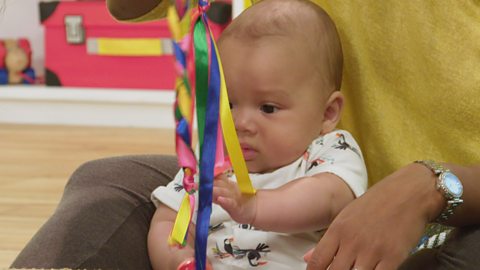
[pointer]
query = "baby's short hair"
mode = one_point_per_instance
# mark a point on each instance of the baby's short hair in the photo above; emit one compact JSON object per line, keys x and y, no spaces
{"x":295,"y":18}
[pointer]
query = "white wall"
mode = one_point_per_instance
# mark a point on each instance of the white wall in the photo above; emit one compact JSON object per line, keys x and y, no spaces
{"x":21,"y":19}
{"x":50,"y":105}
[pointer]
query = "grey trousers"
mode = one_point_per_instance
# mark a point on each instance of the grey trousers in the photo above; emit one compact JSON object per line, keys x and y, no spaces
{"x":103,"y":218}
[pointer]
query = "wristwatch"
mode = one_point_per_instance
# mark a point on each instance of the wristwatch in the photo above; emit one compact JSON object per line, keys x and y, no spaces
{"x":448,"y":184}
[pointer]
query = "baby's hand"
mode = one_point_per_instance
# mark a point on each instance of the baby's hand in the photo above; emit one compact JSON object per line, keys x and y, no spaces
{"x":189,"y":264}
{"x":242,"y":208}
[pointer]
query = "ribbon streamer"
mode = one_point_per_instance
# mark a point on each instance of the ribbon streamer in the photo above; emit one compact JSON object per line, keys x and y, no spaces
{"x":201,"y":84}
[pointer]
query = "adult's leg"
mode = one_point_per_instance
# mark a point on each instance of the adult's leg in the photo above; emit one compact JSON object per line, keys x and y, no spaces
{"x":461,"y":251}
{"x":103,"y":217}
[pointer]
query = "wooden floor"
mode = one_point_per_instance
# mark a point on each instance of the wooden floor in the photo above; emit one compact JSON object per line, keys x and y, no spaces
{"x":36,"y":161}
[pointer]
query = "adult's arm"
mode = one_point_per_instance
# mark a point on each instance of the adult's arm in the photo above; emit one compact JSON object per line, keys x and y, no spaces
{"x":379,"y":229}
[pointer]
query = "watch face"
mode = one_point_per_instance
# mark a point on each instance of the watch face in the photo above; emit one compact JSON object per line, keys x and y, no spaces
{"x":452,"y":184}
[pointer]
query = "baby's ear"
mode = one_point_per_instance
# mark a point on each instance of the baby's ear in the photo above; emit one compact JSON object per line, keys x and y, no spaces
{"x":333,"y":112}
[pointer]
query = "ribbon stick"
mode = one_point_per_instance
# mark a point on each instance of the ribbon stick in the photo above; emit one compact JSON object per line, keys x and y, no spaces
{"x":183,"y":111}
{"x":201,"y":85}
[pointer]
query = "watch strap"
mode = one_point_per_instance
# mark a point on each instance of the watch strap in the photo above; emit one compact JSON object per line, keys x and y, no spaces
{"x":452,"y":202}
{"x":435,"y":167}
{"x":448,"y":211}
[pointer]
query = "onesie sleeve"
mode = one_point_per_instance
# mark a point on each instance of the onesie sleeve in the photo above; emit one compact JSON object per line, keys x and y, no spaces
{"x":338,"y":153}
{"x":170,"y":195}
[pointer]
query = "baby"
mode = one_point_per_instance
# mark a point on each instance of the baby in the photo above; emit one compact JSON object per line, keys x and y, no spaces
{"x":283,"y":62}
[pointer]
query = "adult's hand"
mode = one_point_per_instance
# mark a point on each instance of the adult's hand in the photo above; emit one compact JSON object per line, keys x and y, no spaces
{"x":379,"y":229}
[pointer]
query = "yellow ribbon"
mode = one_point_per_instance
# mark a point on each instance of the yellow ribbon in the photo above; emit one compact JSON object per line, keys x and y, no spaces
{"x":181,"y":223}
{"x":179,"y":231}
{"x":230,"y":137}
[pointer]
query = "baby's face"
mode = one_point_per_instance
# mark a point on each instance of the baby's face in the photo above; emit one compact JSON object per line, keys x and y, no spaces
{"x":16,"y":60}
{"x":277,"y":102}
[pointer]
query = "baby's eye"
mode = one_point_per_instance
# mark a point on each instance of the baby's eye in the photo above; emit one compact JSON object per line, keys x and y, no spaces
{"x":267,"y":108}
{"x":231,"y":105}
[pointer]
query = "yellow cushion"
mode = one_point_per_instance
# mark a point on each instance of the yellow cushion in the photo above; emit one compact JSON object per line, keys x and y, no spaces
{"x":412,"y":80}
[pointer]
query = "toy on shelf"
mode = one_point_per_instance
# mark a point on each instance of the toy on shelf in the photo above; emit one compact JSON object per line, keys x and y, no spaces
{"x":15,"y":62}
{"x":86,"y":47}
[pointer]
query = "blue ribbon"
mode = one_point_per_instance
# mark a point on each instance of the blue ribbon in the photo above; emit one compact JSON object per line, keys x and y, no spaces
{"x":183,"y":131}
{"x":207,"y":158}
{"x":179,"y":54}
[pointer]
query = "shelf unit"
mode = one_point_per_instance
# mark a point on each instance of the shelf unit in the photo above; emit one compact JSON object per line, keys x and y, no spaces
{"x":86,"y":106}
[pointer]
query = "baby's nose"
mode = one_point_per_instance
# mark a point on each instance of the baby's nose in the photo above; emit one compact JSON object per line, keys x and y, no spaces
{"x":244,"y":121}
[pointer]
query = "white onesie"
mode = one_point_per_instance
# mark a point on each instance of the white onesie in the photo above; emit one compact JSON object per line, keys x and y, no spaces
{"x":240,"y":246}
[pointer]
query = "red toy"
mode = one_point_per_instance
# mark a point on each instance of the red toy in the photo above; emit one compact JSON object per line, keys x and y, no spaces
{"x":85,"y":46}
{"x":15,"y":61}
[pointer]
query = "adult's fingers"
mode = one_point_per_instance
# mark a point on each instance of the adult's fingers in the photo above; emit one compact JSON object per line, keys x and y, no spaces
{"x":324,"y":253}
{"x":344,"y":259}
{"x":366,"y":261}
{"x":386,"y":265}
{"x":308,"y":255}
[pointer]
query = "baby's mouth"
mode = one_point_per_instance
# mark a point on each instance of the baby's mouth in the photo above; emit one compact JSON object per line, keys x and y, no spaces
{"x":248,"y":152}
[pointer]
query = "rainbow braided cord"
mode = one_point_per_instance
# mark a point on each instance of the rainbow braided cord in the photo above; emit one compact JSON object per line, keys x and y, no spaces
{"x":201,"y":84}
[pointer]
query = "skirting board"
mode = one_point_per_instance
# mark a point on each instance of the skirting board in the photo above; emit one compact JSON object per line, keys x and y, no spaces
{"x":86,"y":106}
